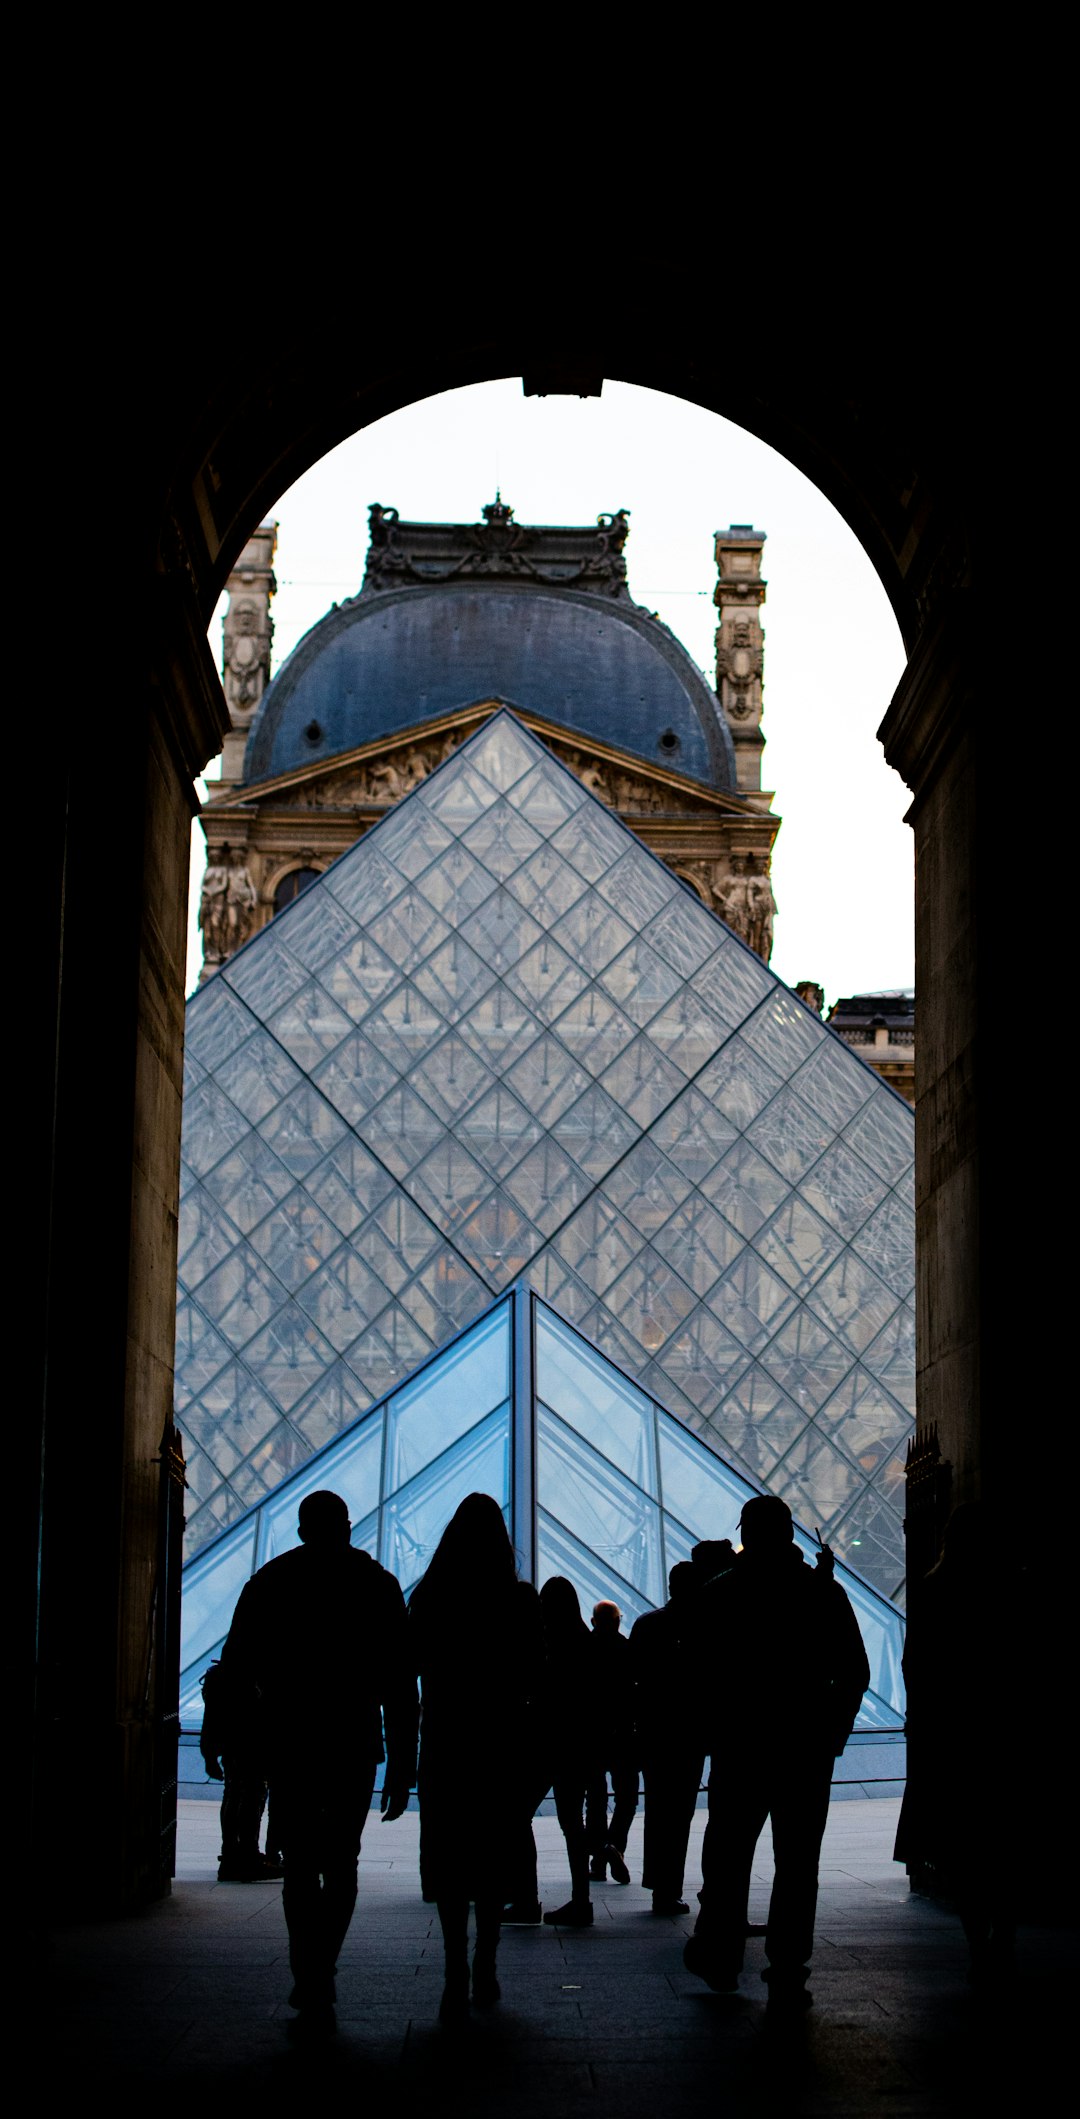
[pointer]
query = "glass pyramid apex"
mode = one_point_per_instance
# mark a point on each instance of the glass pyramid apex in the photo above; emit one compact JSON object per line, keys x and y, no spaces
{"x":500,"y":1039}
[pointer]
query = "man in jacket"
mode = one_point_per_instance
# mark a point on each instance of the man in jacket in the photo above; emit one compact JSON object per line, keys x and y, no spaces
{"x":783,"y":1668}
{"x":321,"y":1632}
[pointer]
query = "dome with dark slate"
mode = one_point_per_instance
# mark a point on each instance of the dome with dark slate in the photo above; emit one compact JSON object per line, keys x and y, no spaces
{"x":452,"y":614}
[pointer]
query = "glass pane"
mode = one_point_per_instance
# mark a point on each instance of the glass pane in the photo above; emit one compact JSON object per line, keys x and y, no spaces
{"x":591,"y":1396}
{"x":212,"y":1584}
{"x":706,"y":1495}
{"x":413,"y":1519}
{"x":466,"y":1383}
{"x":560,"y":1554}
{"x":599,"y":1508}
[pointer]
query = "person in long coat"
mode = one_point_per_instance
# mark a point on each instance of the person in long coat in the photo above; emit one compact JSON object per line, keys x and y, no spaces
{"x":571,"y":1736}
{"x":475,"y":1633}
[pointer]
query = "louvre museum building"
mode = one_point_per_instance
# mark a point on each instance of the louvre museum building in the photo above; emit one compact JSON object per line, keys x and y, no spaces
{"x":508,"y":1163}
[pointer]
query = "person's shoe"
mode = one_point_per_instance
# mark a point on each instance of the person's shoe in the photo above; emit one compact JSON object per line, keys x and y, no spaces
{"x":259,"y":1871}
{"x":620,"y":1874}
{"x":755,"y":1927}
{"x":598,"y":1870}
{"x":667,"y":1907}
{"x":705,"y":1964}
{"x":577,"y":1913}
{"x":528,"y":1915}
{"x":788,"y":1990}
{"x":485,"y":1986}
{"x":313,"y":2025}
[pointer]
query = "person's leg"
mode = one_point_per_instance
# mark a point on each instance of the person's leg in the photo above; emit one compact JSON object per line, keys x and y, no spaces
{"x":624,"y":1789}
{"x":485,"y":1984}
{"x":738,"y":1807}
{"x":800,"y":1809}
{"x":454,"y":1922}
{"x":569,"y":1796}
{"x":596,"y":1821}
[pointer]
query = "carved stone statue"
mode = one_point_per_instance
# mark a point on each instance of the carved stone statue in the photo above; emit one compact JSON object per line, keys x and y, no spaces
{"x":762,"y":910}
{"x":241,"y":902}
{"x":213,"y":907}
{"x":247,"y":635}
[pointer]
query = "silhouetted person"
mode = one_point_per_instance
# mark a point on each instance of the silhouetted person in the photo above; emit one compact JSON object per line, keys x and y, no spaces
{"x":613,"y":1693}
{"x":570,"y":1736}
{"x":711,"y":1557}
{"x":476,"y":1642}
{"x":233,"y":1749}
{"x":780,"y":1652}
{"x":670,"y":1745}
{"x":322,"y":1632}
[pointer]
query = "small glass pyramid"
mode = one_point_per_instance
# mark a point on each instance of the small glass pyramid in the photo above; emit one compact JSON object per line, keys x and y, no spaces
{"x":499,"y":1039}
{"x":597,"y":1482}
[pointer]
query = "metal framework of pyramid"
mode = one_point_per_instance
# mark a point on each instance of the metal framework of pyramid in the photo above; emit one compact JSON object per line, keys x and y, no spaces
{"x":597,"y":1482}
{"x":499,"y":1041}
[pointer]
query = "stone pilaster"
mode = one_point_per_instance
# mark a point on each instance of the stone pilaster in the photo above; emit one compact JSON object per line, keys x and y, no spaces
{"x":740,"y":644}
{"x":248,"y":633}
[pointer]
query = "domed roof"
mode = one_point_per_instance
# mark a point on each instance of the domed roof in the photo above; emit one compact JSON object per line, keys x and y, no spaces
{"x":450,"y":614}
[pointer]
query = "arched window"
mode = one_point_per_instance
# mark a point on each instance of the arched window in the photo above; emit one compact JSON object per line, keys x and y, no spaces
{"x":290,"y":886}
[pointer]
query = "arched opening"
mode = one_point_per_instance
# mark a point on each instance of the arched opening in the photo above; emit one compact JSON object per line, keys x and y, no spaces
{"x":218,"y":447}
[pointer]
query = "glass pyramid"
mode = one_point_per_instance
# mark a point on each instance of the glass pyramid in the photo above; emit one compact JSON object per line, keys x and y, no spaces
{"x":597,"y":1482}
{"x":500,"y":1039}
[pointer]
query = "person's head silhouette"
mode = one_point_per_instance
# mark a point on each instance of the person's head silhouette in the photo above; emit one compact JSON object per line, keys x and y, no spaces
{"x":324,"y":1521}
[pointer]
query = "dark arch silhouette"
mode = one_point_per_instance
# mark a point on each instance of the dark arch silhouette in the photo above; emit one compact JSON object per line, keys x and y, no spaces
{"x":189,"y":436}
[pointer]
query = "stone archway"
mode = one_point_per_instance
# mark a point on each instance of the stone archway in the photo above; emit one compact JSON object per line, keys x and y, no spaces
{"x":889,"y":438}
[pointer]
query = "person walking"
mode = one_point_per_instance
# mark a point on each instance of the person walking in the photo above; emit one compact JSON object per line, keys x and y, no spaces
{"x":320,"y":1632}
{"x":476,"y":1644}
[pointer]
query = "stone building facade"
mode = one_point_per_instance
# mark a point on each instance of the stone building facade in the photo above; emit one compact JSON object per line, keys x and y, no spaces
{"x":451,"y":622}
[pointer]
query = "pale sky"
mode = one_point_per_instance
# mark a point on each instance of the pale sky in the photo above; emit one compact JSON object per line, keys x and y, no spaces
{"x":843,"y":867}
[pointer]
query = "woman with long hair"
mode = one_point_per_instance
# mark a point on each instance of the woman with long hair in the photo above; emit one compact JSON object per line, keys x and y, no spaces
{"x":477,"y":1651}
{"x":570,"y":1737}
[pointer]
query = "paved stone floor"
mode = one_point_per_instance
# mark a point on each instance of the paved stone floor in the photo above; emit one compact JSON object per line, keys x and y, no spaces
{"x":190,"y":1997}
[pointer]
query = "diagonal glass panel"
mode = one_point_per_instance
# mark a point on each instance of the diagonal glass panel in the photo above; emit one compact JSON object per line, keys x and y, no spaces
{"x":213,"y":1126}
{"x":642,"y":1082}
{"x":356,"y":1468}
{"x":500,"y":1028}
{"x":592,"y":933}
{"x":738,"y":1083}
{"x":458,"y":799}
{"x":343,"y":1298}
{"x":289,"y":1356}
{"x":409,"y":930}
{"x":817,"y":1483}
{"x":807,"y":1360}
{"x":733,"y":981}
{"x":406,"y":1026}
{"x":397,"y":1241}
{"x":265,"y":977}
{"x":790,"y":1135}
{"x":401,"y":1130}
{"x":455,"y":1293}
{"x":456,"y":884}
{"x":797,"y":1244}
{"x":547,"y":1079}
{"x":248,"y":1183}
{"x":881,"y":1134}
{"x":411,"y":838}
{"x":598,"y":1243}
{"x":864,"y":1421}
{"x":548,"y":796}
{"x":602,"y":1329}
{"x":359,"y":978}
{"x":547,"y":1186}
{"x":560,"y":1554}
{"x":687,"y":1032}
{"x":594,"y":1399}
{"x":891,"y":1356}
{"x":834,"y":1083}
{"x":547,"y":886}
{"x":498,"y":1240}
{"x":217,"y":1023}
{"x":744,"y":1188}
{"x":648,"y":1187}
{"x":502,"y":753}
{"x":450,"y":1079}
{"x":640,"y":982}
{"x":591,"y":841}
{"x":302,"y":1130}
{"x":454,"y":978}
{"x":693,"y":1134}
{"x":548,"y":980}
{"x":594,"y":1030}
{"x":703,"y":1360}
{"x":257,"y":1076}
{"x":501,"y":932}
{"x":356,"y":1077}
{"x":450,"y":1395}
{"x":200,"y":1352}
{"x":843,"y":1188}
{"x":449,"y":1183}
{"x":236,"y":1410}
{"x":706,"y":1495}
{"x":751,"y":1301}
{"x":637,"y":889}
{"x":650,"y":1300}
{"x":853,"y":1301}
{"x":336,"y":1401}
{"x":349,"y":1184}
{"x":205,"y":1236}
{"x":390,"y":1351}
{"x":784,"y":1032}
{"x":684,"y":934}
{"x":606,"y":1513}
{"x":295,"y":1239}
{"x":499,"y":1130}
{"x":240,"y":1296}
{"x":595,"y":1131}
{"x":413,"y":1519}
{"x":502,"y":840}
{"x":315,"y":933}
{"x":211,"y":1586}
{"x":364,"y":881}
{"x":885,"y":1244}
{"x":309,"y":1026}
{"x":698,"y":1243}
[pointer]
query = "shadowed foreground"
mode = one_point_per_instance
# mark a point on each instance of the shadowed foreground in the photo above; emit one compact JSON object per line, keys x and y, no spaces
{"x":193,"y":1992}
